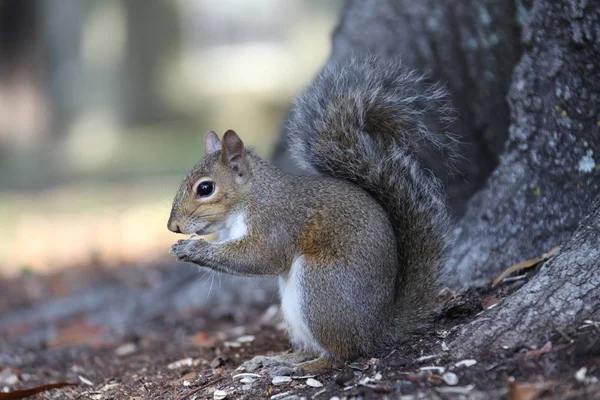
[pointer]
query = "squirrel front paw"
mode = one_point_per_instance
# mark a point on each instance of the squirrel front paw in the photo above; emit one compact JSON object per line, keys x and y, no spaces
{"x":187,"y":249}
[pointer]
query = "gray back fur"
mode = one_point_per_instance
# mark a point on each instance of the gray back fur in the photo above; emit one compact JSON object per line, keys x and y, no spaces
{"x":365,"y":122}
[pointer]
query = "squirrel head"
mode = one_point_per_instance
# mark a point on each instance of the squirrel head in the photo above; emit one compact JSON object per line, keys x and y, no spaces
{"x":213,"y":188}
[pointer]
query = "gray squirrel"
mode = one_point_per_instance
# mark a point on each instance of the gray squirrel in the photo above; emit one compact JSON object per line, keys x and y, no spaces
{"x":359,"y":245}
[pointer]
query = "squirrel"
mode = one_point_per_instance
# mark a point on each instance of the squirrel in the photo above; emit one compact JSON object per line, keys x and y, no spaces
{"x":358,"y":245}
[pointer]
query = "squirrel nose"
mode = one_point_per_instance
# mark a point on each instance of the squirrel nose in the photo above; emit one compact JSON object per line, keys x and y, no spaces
{"x":173,"y":227}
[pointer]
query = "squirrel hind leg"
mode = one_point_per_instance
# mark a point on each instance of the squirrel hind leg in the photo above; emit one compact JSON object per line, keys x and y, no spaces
{"x":283,"y":364}
{"x":318,"y":364}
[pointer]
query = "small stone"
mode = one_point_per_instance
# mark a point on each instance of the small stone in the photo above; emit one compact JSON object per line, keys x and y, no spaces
{"x":313,"y":383}
{"x":281,"y":380}
{"x":580,"y":374}
{"x":466,"y":363}
{"x":245,"y":339}
{"x":125,"y":349}
{"x":450,"y":378}
{"x":445,"y":346}
{"x":377,"y":377}
{"x":219,"y":394}
{"x":232,"y":344}
{"x":247,"y":380}
{"x":186,"y":362}
{"x":7,"y":377}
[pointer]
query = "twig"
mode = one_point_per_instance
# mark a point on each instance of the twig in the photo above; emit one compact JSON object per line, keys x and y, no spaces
{"x":564,"y":335}
{"x":185,"y":396}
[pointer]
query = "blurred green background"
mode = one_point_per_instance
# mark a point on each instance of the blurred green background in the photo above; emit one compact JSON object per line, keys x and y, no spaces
{"x":103,"y":104}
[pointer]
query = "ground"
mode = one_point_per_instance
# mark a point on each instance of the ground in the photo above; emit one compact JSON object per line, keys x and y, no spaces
{"x":71,"y":328}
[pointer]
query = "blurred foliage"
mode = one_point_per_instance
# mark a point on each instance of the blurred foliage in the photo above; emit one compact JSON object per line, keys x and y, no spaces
{"x":103,"y":106}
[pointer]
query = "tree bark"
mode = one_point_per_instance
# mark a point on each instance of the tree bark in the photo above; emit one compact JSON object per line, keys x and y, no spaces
{"x":471,"y":46}
{"x":550,"y":171}
{"x":564,"y":292}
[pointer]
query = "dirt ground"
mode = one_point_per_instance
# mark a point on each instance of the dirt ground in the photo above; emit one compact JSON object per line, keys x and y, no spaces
{"x":54,"y":331}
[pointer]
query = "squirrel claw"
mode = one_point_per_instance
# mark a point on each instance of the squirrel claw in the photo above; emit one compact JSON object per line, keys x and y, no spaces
{"x":188,"y":249}
{"x":180,"y":250}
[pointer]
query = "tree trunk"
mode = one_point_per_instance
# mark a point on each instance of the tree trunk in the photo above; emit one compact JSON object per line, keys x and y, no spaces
{"x":564,"y":292}
{"x":471,"y":46}
{"x":550,"y":171}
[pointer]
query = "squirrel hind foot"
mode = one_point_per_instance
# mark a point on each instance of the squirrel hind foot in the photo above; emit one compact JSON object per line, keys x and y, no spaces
{"x":295,"y":363}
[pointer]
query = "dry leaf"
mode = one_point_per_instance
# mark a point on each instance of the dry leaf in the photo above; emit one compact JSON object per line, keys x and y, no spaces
{"x":536,"y":353}
{"x":81,"y":332}
{"x":489,"y":302}
{"x":525,"y":265}
{"x":528,"y":391}
{"x":201,"y":339}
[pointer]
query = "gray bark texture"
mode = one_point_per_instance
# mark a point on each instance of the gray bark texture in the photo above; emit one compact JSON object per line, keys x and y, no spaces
{"x":549,"y":173}
{"x":469,"y":45}
{"x":564,"y":292}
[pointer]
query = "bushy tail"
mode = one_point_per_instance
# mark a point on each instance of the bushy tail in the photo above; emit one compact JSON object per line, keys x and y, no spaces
{"x":365,"y":122}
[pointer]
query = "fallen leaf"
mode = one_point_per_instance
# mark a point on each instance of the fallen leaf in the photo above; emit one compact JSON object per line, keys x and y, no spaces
{"x":529,"y":391}
{"x":21,"y":394}
{"x":81,"y":332}
{"x":525,"y":265}
{"x":201,"y":339}
{"x":489,"y":302}
{"x":190,"y":376}
{"x":17,"y":329}
{"x":538,"y":352}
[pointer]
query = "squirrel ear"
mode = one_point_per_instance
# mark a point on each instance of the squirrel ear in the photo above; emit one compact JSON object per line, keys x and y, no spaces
{"x":211,"y":142}
{"x":233,"y":153}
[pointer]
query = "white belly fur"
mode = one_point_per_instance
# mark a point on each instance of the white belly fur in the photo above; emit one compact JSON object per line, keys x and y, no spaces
{"x":291,"y":292}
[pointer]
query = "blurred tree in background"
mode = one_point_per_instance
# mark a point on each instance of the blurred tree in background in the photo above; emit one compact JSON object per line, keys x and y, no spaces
{"x":103,"y":105}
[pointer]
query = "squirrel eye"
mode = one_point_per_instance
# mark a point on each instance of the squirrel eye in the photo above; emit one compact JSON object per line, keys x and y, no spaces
{"x":205,"y":189}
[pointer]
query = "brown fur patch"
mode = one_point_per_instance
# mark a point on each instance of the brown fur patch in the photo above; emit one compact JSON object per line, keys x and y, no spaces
{"x":318,"y":240}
